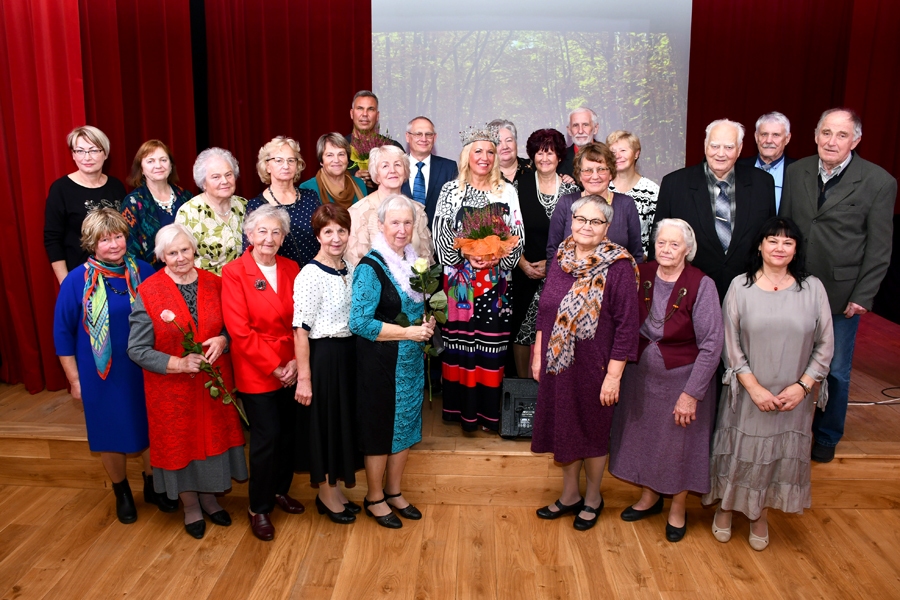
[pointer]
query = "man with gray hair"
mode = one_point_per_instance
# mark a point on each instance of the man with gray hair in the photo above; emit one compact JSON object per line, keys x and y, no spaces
{"x":582,"y":129}
{"x":428,"y":172}
{"x":726,"y":204}
{"x":773,"y":132}
{"x":844,"y":207}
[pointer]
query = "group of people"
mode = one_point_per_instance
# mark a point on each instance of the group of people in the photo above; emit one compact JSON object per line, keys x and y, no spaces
{"x":300,"y":301}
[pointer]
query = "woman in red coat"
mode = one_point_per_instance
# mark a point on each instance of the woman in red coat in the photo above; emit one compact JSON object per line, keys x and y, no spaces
{"x":258,"y":305}
{"x":196,"y":442}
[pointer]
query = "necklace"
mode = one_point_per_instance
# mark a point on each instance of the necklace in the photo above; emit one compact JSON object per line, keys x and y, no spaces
{"x":340,"y":266}
{"x":224,"y":217}
{"x":272,"y":194}
{"x":681,"y":294}
{"x":775,"y":285}
{"x":114,"y":290}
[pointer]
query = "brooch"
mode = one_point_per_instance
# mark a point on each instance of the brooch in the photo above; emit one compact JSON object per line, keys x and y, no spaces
{"x":260,"y":284}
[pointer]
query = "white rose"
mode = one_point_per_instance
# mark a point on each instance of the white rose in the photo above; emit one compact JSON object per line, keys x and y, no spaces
{"x":421,"y":265}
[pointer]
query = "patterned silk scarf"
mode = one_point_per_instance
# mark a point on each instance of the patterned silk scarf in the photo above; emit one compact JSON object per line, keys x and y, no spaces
{"x":579,"y":310}
{"x":345,"y":197}
{"x":96,"y":305}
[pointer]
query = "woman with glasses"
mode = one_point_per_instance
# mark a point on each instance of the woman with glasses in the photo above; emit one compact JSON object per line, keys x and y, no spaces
{"x":71,"y":198}
{"x":587,"y":329}
{"x":595,"y":167}
{"x":279,"y":166}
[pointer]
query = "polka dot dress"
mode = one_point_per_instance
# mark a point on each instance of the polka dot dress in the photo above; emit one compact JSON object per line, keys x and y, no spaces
{"x":300,"y":245}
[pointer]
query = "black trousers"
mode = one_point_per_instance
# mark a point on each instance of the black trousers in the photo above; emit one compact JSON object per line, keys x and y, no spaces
{"x":273,"y":418}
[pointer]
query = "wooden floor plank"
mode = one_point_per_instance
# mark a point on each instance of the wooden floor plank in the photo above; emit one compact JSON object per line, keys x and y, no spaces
{"x":436,"y":575}
{"x":476,"y":572}
{"x":36,"y":583}
{"x":324,"y":557}
{"x":284,"y":560}
{"x":515,"y":560}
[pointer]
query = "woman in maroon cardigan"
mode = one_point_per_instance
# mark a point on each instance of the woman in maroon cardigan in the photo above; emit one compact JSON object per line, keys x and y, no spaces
{"x":661,"y":429}
{"x":258,"y":305}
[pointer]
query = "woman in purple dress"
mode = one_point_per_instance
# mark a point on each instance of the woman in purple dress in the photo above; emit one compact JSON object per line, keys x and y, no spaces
{"x":587,"y":326}
{"x":661,"y":430}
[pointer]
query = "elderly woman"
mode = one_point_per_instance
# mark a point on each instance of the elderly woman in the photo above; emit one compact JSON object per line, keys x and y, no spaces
{"x":333,"y":183}
{"x":90,"y":330}
{"x":155,"y":200}
{"x":595,"y":167}
{"x":761,"y":448}
{"x":538,"y":195}
{"x":215,"y":216}
{"x":511,"y":166}
{"x":197,"y":446}
{"x":326,"y":364}
{"x":477,"y":330}
{"x":626,"y":147}
{"x":389,"y":405}
{"x":660,"y":435}
{"x":258,"y":305}
{"x":71,"y":198}
{"x":279,"y":167}
{"x":587,"y":329}
{"x":389,"y":169}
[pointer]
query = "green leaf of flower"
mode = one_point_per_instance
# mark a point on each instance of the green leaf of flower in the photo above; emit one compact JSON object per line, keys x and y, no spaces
{"x":402,"y":320}
{"x":208,"y":384}
{"x":440,"y":316}
{"x":214,"y":392}
{"x":438,"y":301}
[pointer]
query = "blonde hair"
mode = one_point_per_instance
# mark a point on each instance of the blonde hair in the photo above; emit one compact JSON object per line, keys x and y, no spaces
{"x":274,"y":146}
{"x":619,"y":135}
{"x":384,"y":153}
{"x":495,"y":178}
{"x":99,"y":223}
{"x":91,"y":134}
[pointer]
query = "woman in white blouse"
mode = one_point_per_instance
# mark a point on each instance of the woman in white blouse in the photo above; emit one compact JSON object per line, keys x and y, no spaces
{"x":326,"y":364}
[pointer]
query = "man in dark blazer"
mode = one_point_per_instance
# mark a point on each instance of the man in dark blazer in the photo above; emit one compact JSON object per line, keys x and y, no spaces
{"x":364,"y":114}
{"x":844,"y":206}
{"x":773,"y":132}
{"x":582,"y":129}
{"x":430,"y":171}
{"x":726,"y":204}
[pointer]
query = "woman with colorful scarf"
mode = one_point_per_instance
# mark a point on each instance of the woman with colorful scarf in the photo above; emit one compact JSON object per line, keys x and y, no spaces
{"x":587,"y":328}
{"x":90,"y":331}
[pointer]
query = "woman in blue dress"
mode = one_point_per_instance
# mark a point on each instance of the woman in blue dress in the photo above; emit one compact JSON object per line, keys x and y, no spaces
{"x":391,"y":372}
{"x":90,"y":331}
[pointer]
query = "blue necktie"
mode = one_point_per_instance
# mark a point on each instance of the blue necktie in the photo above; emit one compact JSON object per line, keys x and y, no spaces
{"x":419,"y":184}
{"x":723,"y":216}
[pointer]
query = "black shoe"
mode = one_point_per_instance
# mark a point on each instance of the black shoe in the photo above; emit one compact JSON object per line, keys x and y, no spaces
{"x":546,"y":513}
{"x":389,"y":520}
{"x":674,"y":534}
{"x":125,"y":509}
{"x":220,"y":517}
{"x":632,"y":514}
{"x":151,"y":496}
{"x":410,"y":512}
{"x":343,"y":517}
{"x":196,"y":529}
{"x":822,"y":454}
{"x":352,"y":507}
{"x":585,"y":524}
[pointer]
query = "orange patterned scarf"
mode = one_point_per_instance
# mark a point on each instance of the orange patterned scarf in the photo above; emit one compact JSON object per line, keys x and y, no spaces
{"x":579,"y":310}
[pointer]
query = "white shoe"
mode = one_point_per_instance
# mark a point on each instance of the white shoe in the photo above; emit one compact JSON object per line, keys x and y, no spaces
{"x":759,"y":543}
{"x":723,"y":534}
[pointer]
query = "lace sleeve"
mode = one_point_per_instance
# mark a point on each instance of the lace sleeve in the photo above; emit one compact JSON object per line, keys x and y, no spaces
{"x":366,"y":295}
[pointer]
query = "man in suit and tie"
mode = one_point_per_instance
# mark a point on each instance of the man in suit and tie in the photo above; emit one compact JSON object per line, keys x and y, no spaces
{"x":726,"y":204}
{"x":428,"y":173}
{"x":582,"y":129}
{"x":364,"y":114}
{"x":773,"y":132}
{"x":844,"y":206}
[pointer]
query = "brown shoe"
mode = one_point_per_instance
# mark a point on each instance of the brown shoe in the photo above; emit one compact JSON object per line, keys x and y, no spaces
{"x":262,"y":527}
{"x":289,"y":505}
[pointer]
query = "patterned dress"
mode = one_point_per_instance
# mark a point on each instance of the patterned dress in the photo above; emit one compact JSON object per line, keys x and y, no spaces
{"x":645,"y":194}
{"x":219,"y":240}
{"x":299,"y":245}
{"x":146,"y":217}
{"x":477,"y":332}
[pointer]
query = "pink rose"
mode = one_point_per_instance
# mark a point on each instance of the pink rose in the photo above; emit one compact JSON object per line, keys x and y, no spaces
{"x":167,"y":316}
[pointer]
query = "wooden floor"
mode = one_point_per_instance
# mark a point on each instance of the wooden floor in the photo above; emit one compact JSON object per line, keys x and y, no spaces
{"x":479,"y":538}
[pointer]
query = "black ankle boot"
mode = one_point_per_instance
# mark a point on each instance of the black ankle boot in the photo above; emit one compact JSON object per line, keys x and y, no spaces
{"x":125,"y":508}
{"x":151,"y":496}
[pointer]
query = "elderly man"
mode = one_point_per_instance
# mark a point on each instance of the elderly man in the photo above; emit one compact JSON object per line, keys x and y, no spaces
{"x":582,"y":128}
{"x":364,"y":114}
{"x":844,"y":206}
{"x":773,"y":132}
{"x":725,"y":203}
{"x":428,"y":173}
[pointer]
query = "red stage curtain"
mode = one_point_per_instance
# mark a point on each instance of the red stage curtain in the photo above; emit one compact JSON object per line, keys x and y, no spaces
{"x":40,"y":101}
{"x":286,"y":67}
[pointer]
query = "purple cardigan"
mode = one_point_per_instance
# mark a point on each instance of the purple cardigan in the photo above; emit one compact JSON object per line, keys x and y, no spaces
{"x":624,"y":230}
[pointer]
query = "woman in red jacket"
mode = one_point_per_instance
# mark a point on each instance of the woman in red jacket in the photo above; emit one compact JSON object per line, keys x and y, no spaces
{"x":258,"y":305}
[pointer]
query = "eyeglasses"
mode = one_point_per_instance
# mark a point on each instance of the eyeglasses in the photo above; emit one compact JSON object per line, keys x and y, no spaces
{"x":291,"y":162}
{"x":597,"y":170}
{"x":581,"y":221}
{"x":80,"y":152}
{"x":421,"y":134}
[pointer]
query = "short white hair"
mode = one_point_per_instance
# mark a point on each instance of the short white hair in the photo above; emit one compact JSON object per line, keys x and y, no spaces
{"x":396,"y":202}
{"x":597,"y":201}
{"x":204,"y":157}
{"x":167,"y":235}
{"x":595,"y":120}
{"x":505,"y":124}
{"x":737,"y":126}
{"x":385,"y":153}
{"x":851,"y":114}
{"x":687,"y":232}
{"x":774,"y":117}
{"x":267,"y":211}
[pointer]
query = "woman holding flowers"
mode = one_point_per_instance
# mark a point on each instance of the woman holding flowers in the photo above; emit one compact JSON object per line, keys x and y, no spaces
{"x":196,"y":442}
{"x":258,"y":305}
{"x":478,"y":238}
{"x":391,"y":376}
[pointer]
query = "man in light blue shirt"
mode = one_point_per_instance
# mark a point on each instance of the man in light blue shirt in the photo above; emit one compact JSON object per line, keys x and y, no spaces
{"x":773,"y":132}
